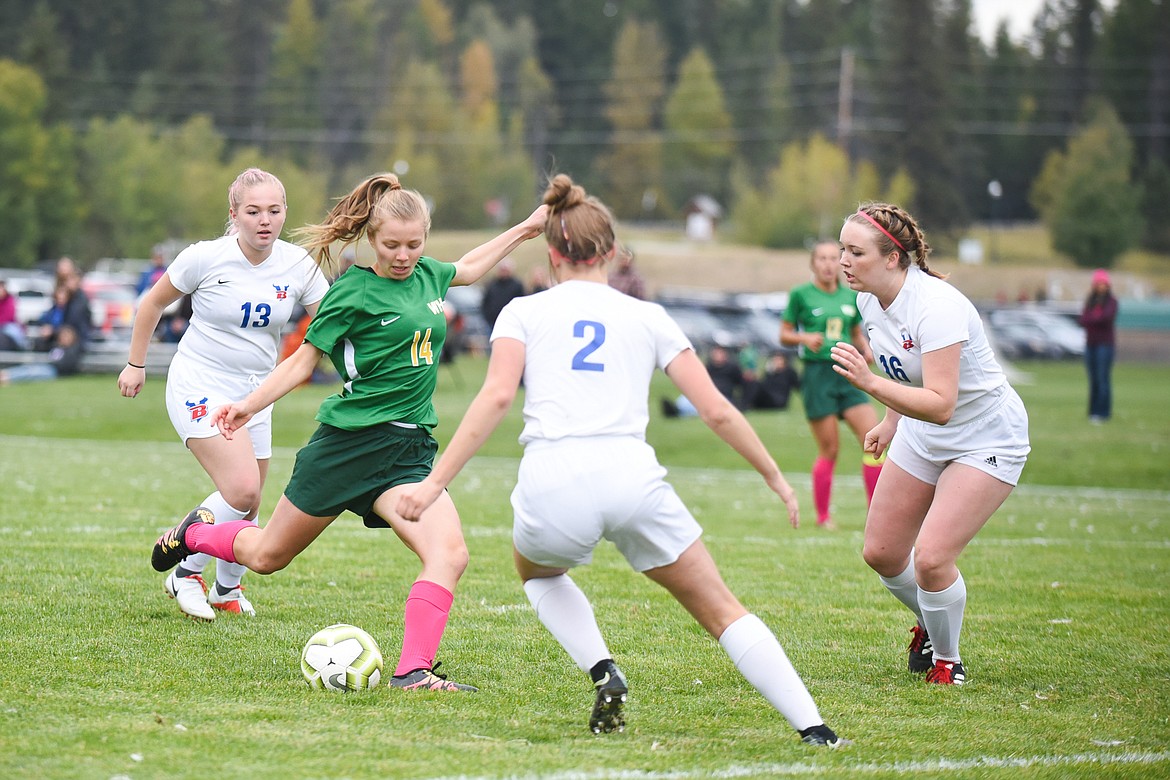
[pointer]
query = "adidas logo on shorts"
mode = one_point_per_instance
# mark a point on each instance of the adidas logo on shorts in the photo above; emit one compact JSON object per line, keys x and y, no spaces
{"x":991,"y":461}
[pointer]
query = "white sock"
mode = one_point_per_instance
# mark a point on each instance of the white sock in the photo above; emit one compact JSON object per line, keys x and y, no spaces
{"x":905,"y":589}
{"x":942,"y":616}
{"x":565,"y":611}
{"x":223,"y":512}
{"x":759,"y":657}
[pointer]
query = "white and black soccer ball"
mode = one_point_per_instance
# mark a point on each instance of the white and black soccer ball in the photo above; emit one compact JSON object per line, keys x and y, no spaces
{"x":341,"y":658}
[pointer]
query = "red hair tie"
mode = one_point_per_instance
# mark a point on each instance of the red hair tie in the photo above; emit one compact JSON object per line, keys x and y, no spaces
{"x":878,"y":225}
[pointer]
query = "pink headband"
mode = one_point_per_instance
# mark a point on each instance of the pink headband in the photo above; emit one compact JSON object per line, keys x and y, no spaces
{"x":877,"y":225}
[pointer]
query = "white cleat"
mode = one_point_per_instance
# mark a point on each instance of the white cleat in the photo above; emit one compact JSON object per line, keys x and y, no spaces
{"x":191,"y":594}
{"x":233,"y":601}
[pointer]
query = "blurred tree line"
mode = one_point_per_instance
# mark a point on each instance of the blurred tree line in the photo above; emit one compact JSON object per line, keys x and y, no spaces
{"x":123,"y":121}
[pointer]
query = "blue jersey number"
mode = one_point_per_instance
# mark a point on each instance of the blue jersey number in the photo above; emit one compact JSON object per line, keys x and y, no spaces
{"x":580,"y":361}
{"x":893,"y":369}
{"x":263,"y":312}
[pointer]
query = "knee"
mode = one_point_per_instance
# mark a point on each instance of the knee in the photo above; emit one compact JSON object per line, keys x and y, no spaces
{"x":267,"y":561}
{"x":883,"y":560}
{"x":931,"y":565}
{"x":456,"y":559}
{"x":242,"y":494}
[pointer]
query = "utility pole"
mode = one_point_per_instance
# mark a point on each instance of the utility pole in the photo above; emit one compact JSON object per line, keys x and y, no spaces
{"x":845,"y":103}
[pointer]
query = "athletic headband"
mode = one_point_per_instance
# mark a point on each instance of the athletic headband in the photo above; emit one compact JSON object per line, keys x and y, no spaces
{"x":878,"y":225}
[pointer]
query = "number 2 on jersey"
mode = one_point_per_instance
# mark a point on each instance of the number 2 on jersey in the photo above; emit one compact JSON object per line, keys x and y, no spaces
{"x":580,"y":360}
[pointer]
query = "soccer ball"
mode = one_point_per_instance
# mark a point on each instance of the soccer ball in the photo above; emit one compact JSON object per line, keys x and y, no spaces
{"x":341,"y":658}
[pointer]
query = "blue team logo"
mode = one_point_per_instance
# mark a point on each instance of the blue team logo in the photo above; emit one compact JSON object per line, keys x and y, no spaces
{"x":281,"y":292}
{"x":907,"y":341}
{"x":198,"y":409}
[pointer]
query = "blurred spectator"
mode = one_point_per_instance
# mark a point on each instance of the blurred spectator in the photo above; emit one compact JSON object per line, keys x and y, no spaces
{"x":172,"y":328}
{"x":12,"y":335}
{"x":503,"y":288}
{"x":77,"y":313}
{"x":624,"y":278}
{"x":751,"y":372}
{"x":1099,"y":318}
{"x":725,"y":373}
{"x":64,"y":358}
{"x":158,"y":267}
{"x":46,"y":327}
{"x":777,"y":384}
{"x":538,"y":281}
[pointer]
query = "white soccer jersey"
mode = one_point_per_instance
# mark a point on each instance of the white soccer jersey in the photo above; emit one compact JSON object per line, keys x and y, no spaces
{"x":238,"y":308}
{"x":590,"y":352}
{"x":930,"y":314}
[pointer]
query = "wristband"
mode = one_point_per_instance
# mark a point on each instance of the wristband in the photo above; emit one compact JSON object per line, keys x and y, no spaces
{"x":134,"y":365}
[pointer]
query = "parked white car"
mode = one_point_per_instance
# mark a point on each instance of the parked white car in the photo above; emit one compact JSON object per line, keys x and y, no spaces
{"x":1037,"y":333}
{"x":33,"y":291}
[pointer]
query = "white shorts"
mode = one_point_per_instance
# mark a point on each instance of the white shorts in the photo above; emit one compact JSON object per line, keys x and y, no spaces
{"x":995,"y":442}
{"x":193,"y":391}
{"x":571,"y":494}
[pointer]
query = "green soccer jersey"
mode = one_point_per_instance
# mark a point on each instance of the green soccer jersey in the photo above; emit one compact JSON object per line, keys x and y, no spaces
{"x":813,"y":310}
{"x":384,"y":338}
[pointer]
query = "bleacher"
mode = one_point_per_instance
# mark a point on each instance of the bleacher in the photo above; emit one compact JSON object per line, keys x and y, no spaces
{"x":102,"y":357}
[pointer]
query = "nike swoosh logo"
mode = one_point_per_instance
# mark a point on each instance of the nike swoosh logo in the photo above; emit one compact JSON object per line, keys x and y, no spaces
{"x":223,"y":281}
{"x":818,"y":312}
{"x":392,"y":319}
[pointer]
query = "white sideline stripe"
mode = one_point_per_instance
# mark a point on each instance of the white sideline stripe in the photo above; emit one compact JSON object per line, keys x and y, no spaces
{"x":934,"y":766}
{"x":699,"y":475}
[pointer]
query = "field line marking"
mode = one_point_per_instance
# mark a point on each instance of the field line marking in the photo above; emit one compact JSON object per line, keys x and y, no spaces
{"x":14,"y":444}
{"x":934,"y":766}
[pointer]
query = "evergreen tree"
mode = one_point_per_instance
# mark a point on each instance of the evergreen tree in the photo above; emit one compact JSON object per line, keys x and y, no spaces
{"x":698,"y":140}
{"x":293,"y":87}
{"x":631,"y":165}
{"x":1086,"y":197}
{"x":911,"y":74}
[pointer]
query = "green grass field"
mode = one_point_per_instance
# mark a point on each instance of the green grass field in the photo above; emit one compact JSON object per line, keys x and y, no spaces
{"x":1065,"y":637}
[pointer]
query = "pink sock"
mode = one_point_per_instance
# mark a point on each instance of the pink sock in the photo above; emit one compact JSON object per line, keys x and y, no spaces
{"x":427,"y":608}
{"x":217,"y":539}
{"x":869,"y":473}
{"x":822,"y":479}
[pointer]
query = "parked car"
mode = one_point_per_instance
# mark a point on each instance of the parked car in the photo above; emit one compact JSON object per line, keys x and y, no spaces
{"x":699,"y":325}
{"x":1029,"y":332}
{"x":33,"y":291}
{"x":112,"y":305}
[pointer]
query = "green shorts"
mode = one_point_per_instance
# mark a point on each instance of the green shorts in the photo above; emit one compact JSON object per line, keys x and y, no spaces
{"x":340,"y":469}
{"x":826,"y":392}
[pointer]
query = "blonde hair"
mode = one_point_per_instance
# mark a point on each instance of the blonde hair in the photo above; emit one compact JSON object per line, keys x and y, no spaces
{"x":378,"y":198}
{"x":252,"y":177}
{"x":901,"y":234}
{"x":579,"y":226}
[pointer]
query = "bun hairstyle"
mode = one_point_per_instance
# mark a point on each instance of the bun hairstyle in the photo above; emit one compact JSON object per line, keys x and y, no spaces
{"x":897,"y":232}
{"x":378,"y":198}
{"x":580,"y":227}
{"x":249,"y":178}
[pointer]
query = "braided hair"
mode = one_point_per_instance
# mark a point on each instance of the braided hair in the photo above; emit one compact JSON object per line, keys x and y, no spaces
{"x":897,"y":231}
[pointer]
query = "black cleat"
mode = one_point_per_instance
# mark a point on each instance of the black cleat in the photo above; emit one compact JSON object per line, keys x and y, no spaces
{"x":823,"y":735}
{"x":171,"y":547}
{"x":611,"y":697}
{"x":947,"y":673}
{"x":921,"y":651}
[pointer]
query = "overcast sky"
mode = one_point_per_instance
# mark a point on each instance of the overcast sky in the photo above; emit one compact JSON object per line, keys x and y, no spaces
{"x":1019,"y":13}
